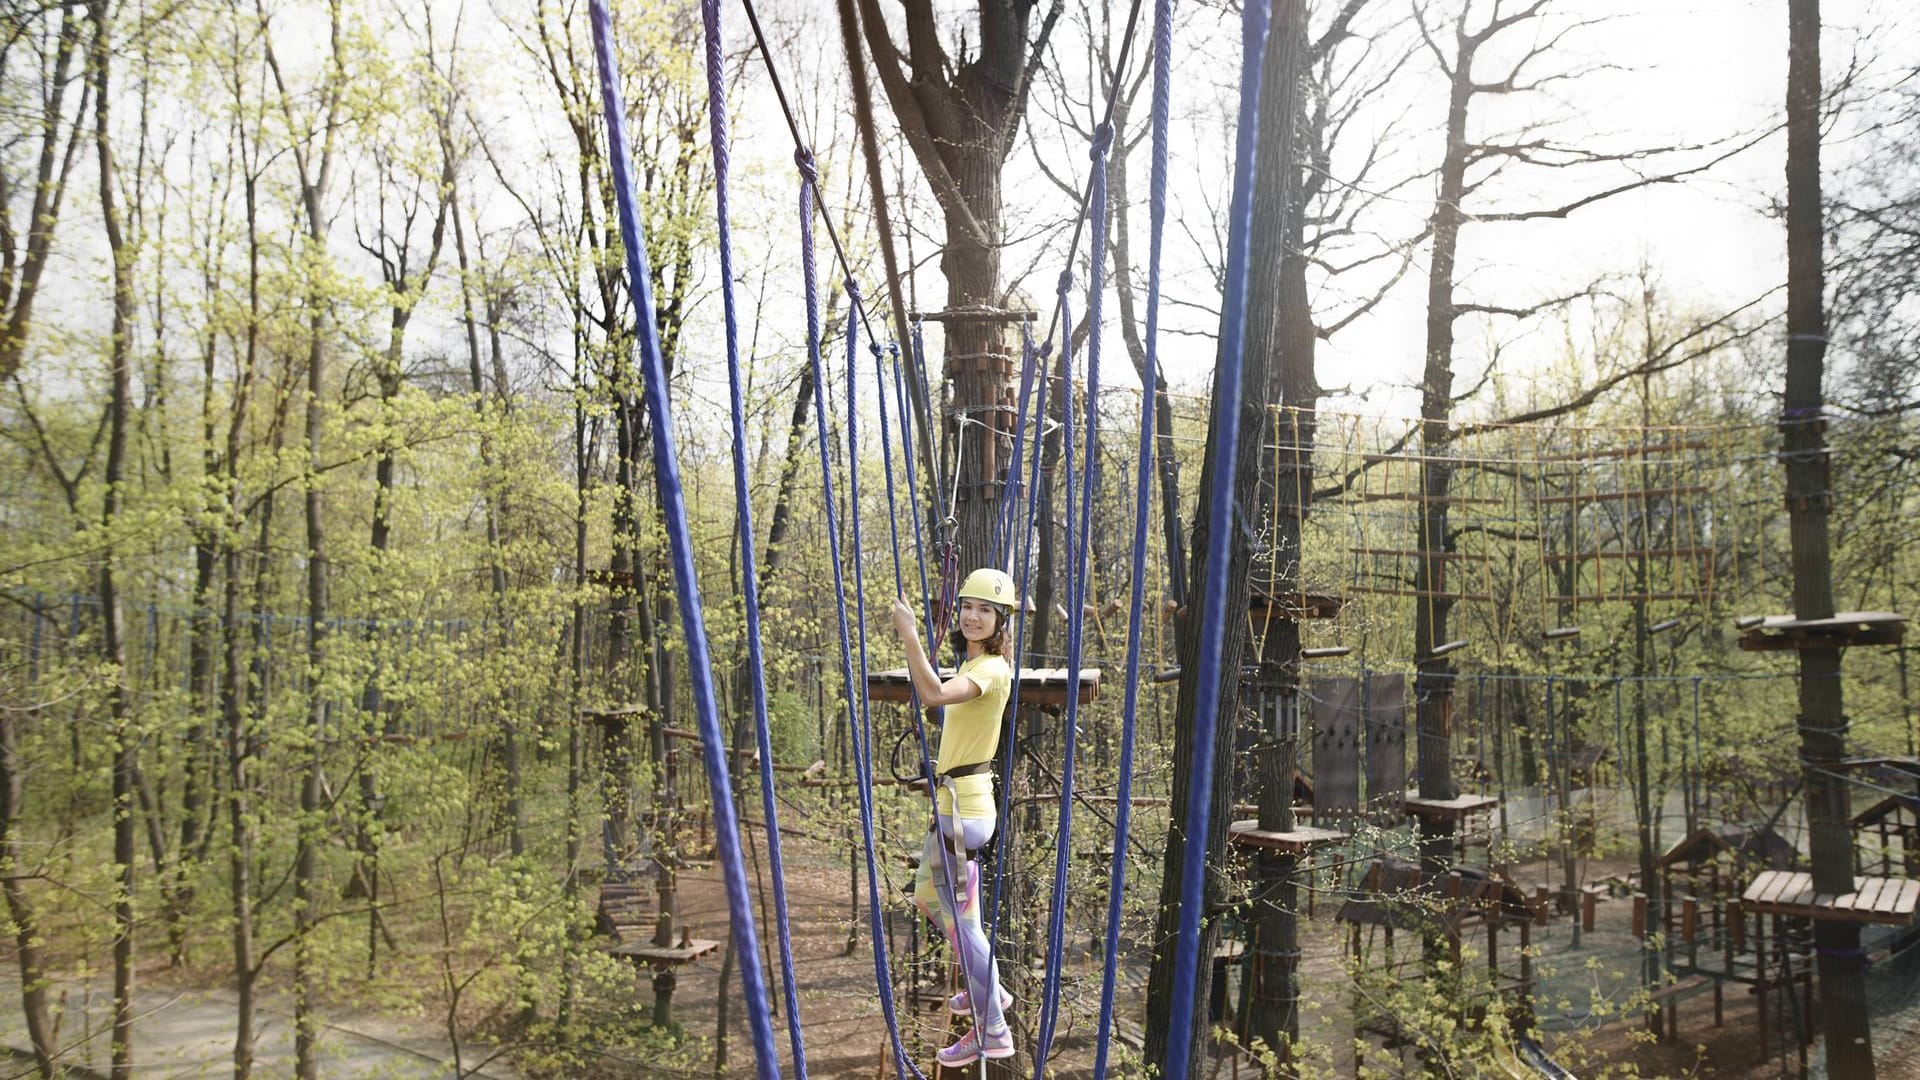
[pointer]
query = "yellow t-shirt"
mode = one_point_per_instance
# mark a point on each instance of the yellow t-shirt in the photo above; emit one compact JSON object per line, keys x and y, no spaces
{"x":971,"y":734}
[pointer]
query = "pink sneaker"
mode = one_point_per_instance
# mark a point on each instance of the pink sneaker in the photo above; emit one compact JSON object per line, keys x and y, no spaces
{"x":973,"y":1046}
{"x":961,"y":1004}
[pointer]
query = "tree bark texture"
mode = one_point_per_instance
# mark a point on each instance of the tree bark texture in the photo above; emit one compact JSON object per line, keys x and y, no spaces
{"x":1267,"y":343}
{"x":1283,"y":328}
{"x":960,"y":123}
{"x":124,"y":740}
{"x":1823,"y":726}
{"x":1433,"y":678}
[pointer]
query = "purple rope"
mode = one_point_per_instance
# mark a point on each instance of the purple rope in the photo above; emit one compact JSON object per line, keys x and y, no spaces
{"x":749,"y":571}
{"x":666,"y":467}
{"x":1034,"y":356}
{"x":1079,"y":572}
{"x":1063,"y":833}
{"x":1225,"y":449}
{"x":1010,"y":494}
{"x":859,"y":738}
{"x":1130,"y":710}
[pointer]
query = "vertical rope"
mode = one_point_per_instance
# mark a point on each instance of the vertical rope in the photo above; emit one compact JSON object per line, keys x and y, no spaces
{"x":749,"y":570}
{"x":859,"y":747}
{"x":1010,"y":492}
{"x":680,"y":542}
{"x":1225,"y":450}
{"x":1076,"y":622}
{"x":1149,"y":378}
{"x":1020,"y":637}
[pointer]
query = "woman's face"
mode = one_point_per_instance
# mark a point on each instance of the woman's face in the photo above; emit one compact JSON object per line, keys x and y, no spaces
{"x":978,"y":619}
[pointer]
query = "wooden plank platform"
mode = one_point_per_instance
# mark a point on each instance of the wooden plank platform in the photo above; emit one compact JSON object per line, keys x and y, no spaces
{"x":671,"y":956}
{"x":1038,"y":686}
{"x":1457,"y":807}
{"x":1295,"y":842}
{"x":1873,"y":900}
{"x":1776,"y":632}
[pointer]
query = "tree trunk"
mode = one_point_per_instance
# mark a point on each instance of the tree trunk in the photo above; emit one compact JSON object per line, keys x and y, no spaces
{"x":1434,"y":676}
{"x":1282,"y":328}
{"x":124,"y":740}
{"x":1262,"y":358}
{"x":978,"y":367}
{"x":1809,"y":500}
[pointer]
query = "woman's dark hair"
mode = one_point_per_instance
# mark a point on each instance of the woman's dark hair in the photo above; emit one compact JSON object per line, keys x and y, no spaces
{"x":999,"y":642}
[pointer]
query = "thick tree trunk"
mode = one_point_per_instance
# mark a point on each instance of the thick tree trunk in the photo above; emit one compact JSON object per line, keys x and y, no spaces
{"x":1284,"y":329}
{"x":978,"y":367}
{"x":1269,"y":343}
{"x":1809,"y":501}
{"x":1434,"y":676}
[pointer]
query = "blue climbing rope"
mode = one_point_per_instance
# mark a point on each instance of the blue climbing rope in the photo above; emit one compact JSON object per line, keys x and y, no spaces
{"x":1225,"y":448}
{"x":1075,"y":574}
{"x":862,"y":763}
{"x":1010,"y":493}
{"x":1129,"y":711}
{"x":1079,"y":574}
{"x":666,"y":466}
{"x":749,"y":571}
{"x":1032,"y":356}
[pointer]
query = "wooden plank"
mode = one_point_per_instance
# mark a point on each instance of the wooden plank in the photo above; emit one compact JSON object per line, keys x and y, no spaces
{"x":1038,"y":686}
{"x":1634,"y":451}
{"x":1621,"y":496}
{"x":1622,"y":597}
{"x":1426,"y":500}
{"x":1629,"y":553}
{"x":1436,"y":556}
{"x":1423,"y":594}
{"x":1295,"y":842}
{"x":1875,"y":900}
{"x":1777,"y":632}
{"x":671,"y":956}
{"x":1789,"y":884}
{"x":1763,"y":883}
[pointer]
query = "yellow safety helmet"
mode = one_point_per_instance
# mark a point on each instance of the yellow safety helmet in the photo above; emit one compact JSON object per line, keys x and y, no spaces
{"x":989,"y":584}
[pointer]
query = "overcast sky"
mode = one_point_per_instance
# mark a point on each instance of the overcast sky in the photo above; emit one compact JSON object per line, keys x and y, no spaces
{"x":1682,"y":74}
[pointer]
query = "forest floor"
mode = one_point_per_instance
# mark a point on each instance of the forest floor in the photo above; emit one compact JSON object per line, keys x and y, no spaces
{"x":190,"y":1033}
{"x":841,"y":1019}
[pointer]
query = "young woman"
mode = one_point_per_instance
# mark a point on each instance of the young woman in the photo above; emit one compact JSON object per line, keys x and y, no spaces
{"x":974,"y":700}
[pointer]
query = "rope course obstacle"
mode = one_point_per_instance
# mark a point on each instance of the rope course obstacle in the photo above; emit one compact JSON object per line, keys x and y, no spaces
{"x":1554,"y":527}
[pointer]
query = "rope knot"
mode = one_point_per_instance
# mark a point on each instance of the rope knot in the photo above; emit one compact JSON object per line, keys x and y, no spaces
{"x":893,"y":349}
{"x":1066,"y":280}
{"x":1102,"y":141}
{"x":853,"y":292}
{"x":803,"y":160}
{"x":1045,"y":350}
